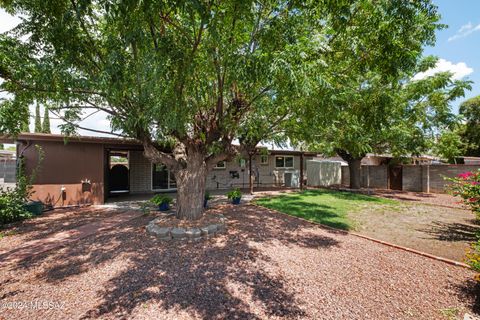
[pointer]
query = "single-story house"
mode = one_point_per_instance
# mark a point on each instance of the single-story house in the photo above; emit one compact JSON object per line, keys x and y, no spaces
{"x":85,"y":169}
{"x":468,"y":160}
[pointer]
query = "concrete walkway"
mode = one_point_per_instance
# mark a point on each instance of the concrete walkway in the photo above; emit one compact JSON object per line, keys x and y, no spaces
{"x":63,"y":238}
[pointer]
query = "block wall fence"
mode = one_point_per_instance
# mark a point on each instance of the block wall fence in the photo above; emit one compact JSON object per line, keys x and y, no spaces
{"x":417,"y":178}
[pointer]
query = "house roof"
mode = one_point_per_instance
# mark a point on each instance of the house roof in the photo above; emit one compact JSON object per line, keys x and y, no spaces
{"x":388,"y":155}
{"x":59,"y":137}
{"x":111,"y":141}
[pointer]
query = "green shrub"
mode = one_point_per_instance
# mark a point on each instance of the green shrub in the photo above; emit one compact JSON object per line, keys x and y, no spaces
{"x":159,"y":199}
{"x":234,"y":194}
{"x":473,"y":258}
{"x":12,"y":206}
{"x":207,"y":195}
{"x":13,"y":200}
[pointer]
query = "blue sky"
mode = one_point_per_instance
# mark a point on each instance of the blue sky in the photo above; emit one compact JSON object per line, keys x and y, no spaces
{"x":460,"y":45}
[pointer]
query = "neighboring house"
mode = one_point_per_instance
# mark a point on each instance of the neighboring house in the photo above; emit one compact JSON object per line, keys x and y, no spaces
{"x":91,"y":169}
{"x":468,"y":160}
{"x":372,"y":159}
{"x":7,"y":168}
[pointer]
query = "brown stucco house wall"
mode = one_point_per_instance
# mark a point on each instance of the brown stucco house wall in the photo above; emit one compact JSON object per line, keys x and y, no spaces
{"x":76,"y":171}
{"x":61,"y":172}
{"x":72,"y":171}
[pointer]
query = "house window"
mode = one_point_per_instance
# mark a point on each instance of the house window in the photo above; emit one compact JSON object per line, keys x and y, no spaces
{"x":264,"y":159}
{"x":284,"y":162}
{"x":162,"y":178}
{"x":221,"y":165}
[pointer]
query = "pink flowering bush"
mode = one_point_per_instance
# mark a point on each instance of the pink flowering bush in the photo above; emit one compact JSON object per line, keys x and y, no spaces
{"x":467,"y":186}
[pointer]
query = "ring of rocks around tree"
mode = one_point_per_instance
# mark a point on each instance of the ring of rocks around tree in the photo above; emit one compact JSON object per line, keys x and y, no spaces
{"x":168,"y":227}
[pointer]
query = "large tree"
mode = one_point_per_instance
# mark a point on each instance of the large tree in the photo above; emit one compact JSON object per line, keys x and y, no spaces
{"x":192,"y":76}
{"x":371,"y":114}
{"x":470,"y":132}
{"x":449,"y":145}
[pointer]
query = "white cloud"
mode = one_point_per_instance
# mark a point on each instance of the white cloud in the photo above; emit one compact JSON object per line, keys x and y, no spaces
{"x":465,"y":31}
{"x":7,"y":21}
{"x":459,"y":70}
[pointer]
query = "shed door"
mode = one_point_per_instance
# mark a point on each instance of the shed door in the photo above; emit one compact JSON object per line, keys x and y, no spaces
{"x":395,"y":177}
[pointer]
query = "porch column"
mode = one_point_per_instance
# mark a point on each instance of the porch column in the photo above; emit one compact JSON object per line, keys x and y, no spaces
{"x":301,"y":170}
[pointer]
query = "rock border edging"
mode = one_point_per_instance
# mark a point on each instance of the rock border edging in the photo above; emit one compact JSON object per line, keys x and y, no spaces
{"x":185,"y":234}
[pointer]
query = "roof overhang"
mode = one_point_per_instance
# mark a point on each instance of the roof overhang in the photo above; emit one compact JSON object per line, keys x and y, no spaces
{"x":114,"y":143}
{"x":62,"y":138}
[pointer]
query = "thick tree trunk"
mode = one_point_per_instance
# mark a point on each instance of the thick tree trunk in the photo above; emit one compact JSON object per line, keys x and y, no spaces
{"x":354,"y":169}
{"x":191,"y":183}
{"x":354,"y":163}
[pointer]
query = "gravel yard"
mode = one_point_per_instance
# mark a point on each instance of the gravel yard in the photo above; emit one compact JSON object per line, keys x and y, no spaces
{"x":267,"y":265}
{"x":48,"y":223}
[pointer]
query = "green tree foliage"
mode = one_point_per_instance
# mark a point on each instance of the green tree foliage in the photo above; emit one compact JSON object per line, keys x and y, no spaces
{"x":46,"y":121}
{"x":25,"y":124}
{"x":38,"y":120}
{"x":195,"y":75}
{"x":449,"y":145}
{"x":470,"y":111}
{"x":369,"y":112}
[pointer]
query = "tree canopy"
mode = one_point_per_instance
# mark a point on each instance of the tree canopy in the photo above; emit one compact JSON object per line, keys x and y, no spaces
{"x":470,"y":111}
{"x":190,"y":77}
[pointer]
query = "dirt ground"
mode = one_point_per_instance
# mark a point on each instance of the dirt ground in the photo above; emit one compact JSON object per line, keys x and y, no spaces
{"x":267,"y":266}
{"x":438,"y":230}
{"x":433,"y":223}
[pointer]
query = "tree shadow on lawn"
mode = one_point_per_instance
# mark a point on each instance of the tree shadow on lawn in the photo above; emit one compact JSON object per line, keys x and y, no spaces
{"x":326,"y":211}
{"x":201,"y":278}
{"x":323,"y":214}
{"x":452,"y":231}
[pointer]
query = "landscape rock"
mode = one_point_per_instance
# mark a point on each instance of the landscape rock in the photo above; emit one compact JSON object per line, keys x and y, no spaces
{"x":178,"y":233}
{"x":193,"y":233}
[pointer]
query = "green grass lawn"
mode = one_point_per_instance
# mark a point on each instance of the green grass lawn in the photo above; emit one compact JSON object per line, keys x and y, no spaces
{"x":324,"y":206}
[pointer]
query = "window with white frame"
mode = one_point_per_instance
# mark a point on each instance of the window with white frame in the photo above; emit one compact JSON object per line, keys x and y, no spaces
{"x":264,"y":159}
{"x":221,"y":165}
{"x":284,"y":162}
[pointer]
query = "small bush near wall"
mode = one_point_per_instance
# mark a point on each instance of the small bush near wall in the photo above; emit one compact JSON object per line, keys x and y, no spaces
{"x":12,"y":206}
{"x":467,"y":186}
{"x":13,"y":200}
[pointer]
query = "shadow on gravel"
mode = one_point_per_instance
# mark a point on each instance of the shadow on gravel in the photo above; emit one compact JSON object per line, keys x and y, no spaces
{"x":208,"y":279}
{"x":471,"y":291}
{"x":452,"y":231}
{"x":56,"y":220}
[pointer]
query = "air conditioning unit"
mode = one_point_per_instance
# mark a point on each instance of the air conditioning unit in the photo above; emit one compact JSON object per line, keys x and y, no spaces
{"x":288,"y":179}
